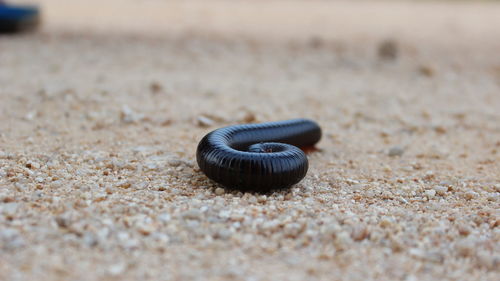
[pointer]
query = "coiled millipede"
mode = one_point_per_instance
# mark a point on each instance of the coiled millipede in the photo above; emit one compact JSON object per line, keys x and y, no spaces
{"x":258,"y":157}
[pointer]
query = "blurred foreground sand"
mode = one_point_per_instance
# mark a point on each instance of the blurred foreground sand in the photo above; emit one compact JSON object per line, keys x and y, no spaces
{"x":99,"y":125}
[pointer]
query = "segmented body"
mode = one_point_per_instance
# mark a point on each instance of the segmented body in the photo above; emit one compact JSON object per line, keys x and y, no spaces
{"x":258,"y":156}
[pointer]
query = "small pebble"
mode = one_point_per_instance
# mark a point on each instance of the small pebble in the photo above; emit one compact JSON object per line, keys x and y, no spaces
{"x":165,"y":217}
{"x":441,"y":190}
{"x":463,"y":229}
{"x":33,"y":165}
{"x":388,"y":50}
{"x":192,"y":215}
{"x":292,"y":230}
{"x":342,"y":240}
{"x":9,"y":209}
{"x":155,"y":87}
{"x":203,"y":121}
{"x":469,"y":195}
{"x":117,"y":269}
{"x":10,"y":239}
{"x":430,"y":193}
{"x":426,"y":70}
{"x":395,"y":151}
{"x":127,"y":115}
{"x":219,"y":191}
{"x":124,"y":184}
{"x":465,"y":247}
{"x":62,"y":222}
{"x":359,"y":232}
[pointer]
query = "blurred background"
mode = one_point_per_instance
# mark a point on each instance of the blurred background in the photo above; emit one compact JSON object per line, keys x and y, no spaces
{"x":283,"y":18}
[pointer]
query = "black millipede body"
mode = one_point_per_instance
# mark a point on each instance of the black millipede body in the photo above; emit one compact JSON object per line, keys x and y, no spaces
{"x":258,"y":156}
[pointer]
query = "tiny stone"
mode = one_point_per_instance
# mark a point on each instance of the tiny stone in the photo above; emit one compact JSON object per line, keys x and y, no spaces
{"x":249,"y":117}
{"x":426,"y":70}
{"x":465,"y":248}
{"x":388,"y":50}
{"x":146,"y":229}
{"x":252,"y":200}
{"x":429,"y":175}
{"x":440,"y":129}
{"x":433,"y":256}
{"x":10,"y":238}
{"x":441,"y":190}
{"x":165,"y":217}
{"x":223,"y":234}
{"x":387,"y":168}
{"x":155,"y":87}
{"x":384,"y":222}
{"x":469,"y":195}
{"x":192,"y":215}
{"x":331,"y":229}
{"x":343,"y":239}
{"x":62,"y":222}
{"x":116,"y":269}
{"x":174,"y":162}
{"x":9,"y":209}
{"x":90,"y":240}
{"x":292,"y":230}
{"x":30,"y":116}
{"x":32,"y":165}
{"x":430,"y":193}
{"x":124,"y":184}
{"x":262,"y":199}
{"x":219,"y":191}
{"x":402,"y":200}
{"x":359,"y":232}
{"x":463,"y":230}
{"x":415,"y":252}
{"x":127,"y":115}
{"x":395,"y":151}
{"x":203,"y":121}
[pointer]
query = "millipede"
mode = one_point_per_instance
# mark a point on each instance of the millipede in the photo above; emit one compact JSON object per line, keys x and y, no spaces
{"x":258,"y":157}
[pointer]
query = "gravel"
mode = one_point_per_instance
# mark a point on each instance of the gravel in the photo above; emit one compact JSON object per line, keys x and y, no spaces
{"x":98,"y":176}
{"x":395,"y":151}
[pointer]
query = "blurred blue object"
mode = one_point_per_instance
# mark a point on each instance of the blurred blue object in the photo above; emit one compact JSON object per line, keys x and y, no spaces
{"x":15,"y":18}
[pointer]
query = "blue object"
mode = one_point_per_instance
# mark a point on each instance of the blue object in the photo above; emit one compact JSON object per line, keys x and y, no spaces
{"x":18,"y":18}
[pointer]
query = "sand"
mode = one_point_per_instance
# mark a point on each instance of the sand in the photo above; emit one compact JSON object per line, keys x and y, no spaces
{"x":101,"y":112}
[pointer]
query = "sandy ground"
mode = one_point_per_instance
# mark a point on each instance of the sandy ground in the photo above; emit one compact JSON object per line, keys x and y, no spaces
{"x":99,"y":125}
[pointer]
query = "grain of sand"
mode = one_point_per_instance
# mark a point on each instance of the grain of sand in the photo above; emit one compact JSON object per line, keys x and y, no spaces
{"x":101,"y":112}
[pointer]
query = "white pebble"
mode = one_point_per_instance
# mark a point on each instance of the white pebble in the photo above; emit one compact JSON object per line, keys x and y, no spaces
{"x":116,"y":269}
{"x":9,"y":209}
{"x":164,"y":217}
{"x":127,"y":115}
{"x":33,"y":165}
{"x":192,"y":215}
{"x":204,"y":121}
{"x":430,"y":193}
{"x":292,"y":229}
{"x":441,"y":190}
